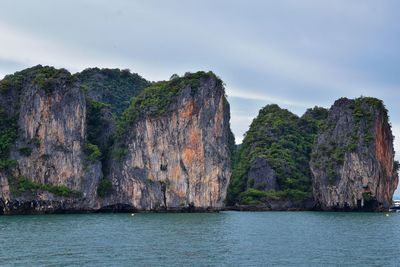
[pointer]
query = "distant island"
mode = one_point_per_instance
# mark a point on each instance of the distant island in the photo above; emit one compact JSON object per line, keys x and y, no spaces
{"x":109,"y":140}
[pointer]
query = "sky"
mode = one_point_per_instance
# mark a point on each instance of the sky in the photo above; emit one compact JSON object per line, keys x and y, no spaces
{"x":297,"y":54}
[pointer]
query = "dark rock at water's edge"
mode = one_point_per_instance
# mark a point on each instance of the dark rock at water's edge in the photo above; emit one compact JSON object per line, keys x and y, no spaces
{"x":307,"y":204}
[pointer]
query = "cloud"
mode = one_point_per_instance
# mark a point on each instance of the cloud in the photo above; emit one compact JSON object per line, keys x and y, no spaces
{"x":253,"y":95}
{"x":27,"y":49}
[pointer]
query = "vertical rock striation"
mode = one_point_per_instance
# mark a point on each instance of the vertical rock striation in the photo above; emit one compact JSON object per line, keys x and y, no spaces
{"x":173,"y":149}
{"x":171,"y":146}
{"x":353,"y":160}
{"x":49,"y":170}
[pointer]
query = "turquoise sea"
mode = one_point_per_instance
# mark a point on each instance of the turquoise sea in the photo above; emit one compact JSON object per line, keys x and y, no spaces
{"x":202,"y":239}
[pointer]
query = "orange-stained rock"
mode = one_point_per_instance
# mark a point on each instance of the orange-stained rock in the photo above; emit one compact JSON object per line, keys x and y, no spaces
{"x":179,"y":159}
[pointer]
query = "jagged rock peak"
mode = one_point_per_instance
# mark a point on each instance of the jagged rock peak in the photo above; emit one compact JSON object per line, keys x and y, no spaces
{"x":353,"y":159}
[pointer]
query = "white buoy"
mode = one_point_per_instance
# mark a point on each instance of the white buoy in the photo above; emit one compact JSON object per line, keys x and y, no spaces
{"x":387,"y":215}
{"x":133,"y":214}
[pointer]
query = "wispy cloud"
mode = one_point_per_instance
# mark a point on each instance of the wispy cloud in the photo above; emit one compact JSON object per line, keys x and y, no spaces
{"x":250,"y":94}
{"x":29,"y":49}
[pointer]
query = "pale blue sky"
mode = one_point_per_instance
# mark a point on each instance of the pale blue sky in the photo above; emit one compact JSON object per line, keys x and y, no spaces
{"x":294,"y":53}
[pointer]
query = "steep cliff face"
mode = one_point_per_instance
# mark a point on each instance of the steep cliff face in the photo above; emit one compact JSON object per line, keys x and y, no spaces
{"x":48,"y":168}
{"x":173,"y":150}
{"x":353,"y":160}
{"x":66,"y":146}
{"x":271,"y":170}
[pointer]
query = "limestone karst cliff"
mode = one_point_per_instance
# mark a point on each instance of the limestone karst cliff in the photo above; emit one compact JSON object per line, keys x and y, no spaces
{"x":173,"y":147}
{"x":44,"y":167}
{"x":337,"y":160}
{"x":57,"y":135}
{"x":271,"y":170}
{"x":109,"y":140}
{"x":353,"y":160}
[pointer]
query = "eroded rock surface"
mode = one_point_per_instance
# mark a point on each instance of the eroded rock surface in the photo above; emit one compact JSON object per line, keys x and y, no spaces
{"x":49,"y":163}
{"x":261,"y":175}
{"x":177,"y":158}
{"x":353,"y":160}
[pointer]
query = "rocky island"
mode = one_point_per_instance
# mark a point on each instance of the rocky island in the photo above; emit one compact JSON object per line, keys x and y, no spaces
{"x":352,"y":161}
{"x":109,"y":140}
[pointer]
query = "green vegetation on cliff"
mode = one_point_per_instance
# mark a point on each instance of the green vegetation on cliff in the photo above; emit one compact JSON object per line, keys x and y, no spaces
{"x":8,"y":135}
{"x":95,"y":121}
{"x":362,"y":110}
{"x":112,"y":86}
{"x":45,"y":77}
{"x":104,"y":188}
{"x":20,"y":185}
{"x":93,"y":152}
{"x":358,"y":136}
{"x":285,"y":141}
{"x":156,"y":99}
{"x":42,"y":78}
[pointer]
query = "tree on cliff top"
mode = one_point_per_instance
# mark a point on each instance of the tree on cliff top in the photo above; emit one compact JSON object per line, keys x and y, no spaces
{"x":112,"y":86}
{"x":285,"y":141}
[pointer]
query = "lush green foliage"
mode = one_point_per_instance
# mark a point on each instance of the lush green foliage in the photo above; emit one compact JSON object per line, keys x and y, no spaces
{"x":285,"y":140}
{"x":48,"y":77}
{"x":45,"y":77}
{"x":104,"y":188}
{"x":156,"y":99}
{"x":371,"y":101}
{"x":112,"y":86}
{"x":95,"y":121}
{"x":22,"y":184}
{"x":106,"y":89}
{"x":362,"y":111}
{"x":93,"y":152}
{"x":16,"y":80}
{"x":8,"y":135}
